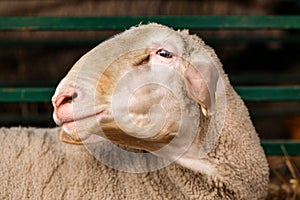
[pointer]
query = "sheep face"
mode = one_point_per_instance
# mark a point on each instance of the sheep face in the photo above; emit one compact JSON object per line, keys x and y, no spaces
{"x":138,"y":89}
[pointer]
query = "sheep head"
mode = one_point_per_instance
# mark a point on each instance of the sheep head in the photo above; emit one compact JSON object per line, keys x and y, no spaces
{"x":138,"y":89}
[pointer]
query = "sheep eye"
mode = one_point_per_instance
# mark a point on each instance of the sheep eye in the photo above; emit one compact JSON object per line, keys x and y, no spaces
{"x":164,"y":53}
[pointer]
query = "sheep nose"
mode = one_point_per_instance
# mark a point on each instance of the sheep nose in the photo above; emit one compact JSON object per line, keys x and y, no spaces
{"x":66,"y":97}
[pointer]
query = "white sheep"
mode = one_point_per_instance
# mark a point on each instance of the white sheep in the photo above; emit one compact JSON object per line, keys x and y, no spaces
{"x":149,"y":89}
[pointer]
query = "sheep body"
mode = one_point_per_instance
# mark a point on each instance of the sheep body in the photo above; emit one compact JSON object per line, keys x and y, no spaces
{"x":36,"y":165}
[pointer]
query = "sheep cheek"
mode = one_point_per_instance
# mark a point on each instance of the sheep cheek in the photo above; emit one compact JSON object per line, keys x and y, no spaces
{"x":106,"y":84}
{"x":140,"y":107}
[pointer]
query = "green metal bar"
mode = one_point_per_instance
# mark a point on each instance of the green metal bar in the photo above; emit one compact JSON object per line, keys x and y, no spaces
{"x":124,"y":22}
{"x":269,"y":93}
{"x":26,"y":95}
{"x":275,"y":147}
{"x":247,"y":93}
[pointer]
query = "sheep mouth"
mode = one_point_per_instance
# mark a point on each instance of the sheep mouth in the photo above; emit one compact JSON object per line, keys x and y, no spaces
{"x":96,"y":115}
{"x":73,"y":131}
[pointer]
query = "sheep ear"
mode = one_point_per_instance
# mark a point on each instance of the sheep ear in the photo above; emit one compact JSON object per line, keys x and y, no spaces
{"x":201,"y":78}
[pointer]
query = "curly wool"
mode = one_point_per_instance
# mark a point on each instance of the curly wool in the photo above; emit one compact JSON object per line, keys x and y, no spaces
{"x":35,"y":165}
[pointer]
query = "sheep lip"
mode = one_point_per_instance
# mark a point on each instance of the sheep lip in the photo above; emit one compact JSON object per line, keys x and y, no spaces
{"x":98,"y":114}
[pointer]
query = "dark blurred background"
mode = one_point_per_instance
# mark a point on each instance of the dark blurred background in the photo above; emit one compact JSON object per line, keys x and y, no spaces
{"x":250,"y":57}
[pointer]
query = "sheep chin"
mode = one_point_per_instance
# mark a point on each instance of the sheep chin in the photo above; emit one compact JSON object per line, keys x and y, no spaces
{"x":67,"y":138}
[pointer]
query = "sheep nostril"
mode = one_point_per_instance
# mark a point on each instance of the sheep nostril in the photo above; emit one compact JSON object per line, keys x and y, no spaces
{"x":69,"y":99}
{"x":65,"y":99}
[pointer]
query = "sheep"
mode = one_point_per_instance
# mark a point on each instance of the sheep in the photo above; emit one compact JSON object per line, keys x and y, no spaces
{"x":153,"y":116}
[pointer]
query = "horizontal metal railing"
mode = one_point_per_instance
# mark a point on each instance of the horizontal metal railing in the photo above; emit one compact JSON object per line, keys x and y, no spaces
{"x":123,"y":22}
{"x":25,"y":95}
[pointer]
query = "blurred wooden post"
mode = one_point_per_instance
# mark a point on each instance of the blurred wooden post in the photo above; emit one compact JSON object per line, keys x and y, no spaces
{"x":294,"y":126}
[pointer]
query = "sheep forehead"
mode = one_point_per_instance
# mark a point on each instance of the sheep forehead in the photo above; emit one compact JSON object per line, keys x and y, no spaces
{"x":136,"y":38}
{"x":96,"y":61}
{"x":152,"y":36}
